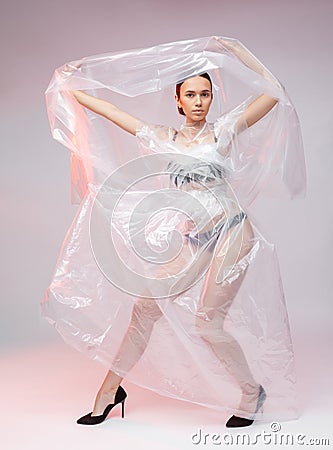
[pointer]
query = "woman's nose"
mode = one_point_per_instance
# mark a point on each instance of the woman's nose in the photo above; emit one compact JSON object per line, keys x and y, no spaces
{"x":198,"y":100}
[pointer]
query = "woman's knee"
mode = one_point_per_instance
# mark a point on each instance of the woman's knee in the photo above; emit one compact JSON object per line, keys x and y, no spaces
{"x":209,"y":323}
{"x":146,"y":309}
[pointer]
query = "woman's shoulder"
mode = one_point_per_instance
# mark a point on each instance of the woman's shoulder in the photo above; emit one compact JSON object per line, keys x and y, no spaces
{"x":159,"y":131}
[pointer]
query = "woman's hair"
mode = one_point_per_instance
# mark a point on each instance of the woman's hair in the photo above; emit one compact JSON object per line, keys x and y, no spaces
{"x":204,"y":75}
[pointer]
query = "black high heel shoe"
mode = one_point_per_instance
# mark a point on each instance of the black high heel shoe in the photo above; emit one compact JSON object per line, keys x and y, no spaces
{"x":120,"y":396}
{"x":236,"y":421}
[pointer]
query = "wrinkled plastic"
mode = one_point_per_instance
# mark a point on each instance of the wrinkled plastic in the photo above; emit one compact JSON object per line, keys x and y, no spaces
{"x":164,"y":276}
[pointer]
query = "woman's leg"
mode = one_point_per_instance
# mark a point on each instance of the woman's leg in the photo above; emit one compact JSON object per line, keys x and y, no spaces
{"x":106,"y":392}
{"x":144,"y":314}
{"x":215,"y":302}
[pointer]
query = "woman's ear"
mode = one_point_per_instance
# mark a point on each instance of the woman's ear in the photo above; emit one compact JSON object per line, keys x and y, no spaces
{"x":177,"y":101}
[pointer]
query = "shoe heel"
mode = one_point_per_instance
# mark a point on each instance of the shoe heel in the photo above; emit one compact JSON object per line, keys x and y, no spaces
{"x":261,"y":400}
{"x":123,"y":408}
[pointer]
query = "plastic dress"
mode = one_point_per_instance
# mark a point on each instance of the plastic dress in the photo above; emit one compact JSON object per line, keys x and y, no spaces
{"x":164,"y":276}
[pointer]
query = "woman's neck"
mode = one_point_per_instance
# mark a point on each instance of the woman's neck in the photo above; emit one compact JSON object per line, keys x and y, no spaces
{"x":193,"y":130}
{"x":195,"y":124}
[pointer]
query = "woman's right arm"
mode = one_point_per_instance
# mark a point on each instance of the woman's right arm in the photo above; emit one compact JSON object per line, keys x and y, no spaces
{"x":108,"y":110}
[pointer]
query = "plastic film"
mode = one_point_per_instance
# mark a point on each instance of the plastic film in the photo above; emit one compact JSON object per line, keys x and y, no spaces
{"x":164,"y":276}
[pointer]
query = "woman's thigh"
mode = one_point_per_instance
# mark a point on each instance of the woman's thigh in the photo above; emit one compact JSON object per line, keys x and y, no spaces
{"x":228,"y":268}
{"x":224,"y":271}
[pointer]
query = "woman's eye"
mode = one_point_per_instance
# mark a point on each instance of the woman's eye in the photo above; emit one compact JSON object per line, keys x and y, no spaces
{"x":189,"y":95}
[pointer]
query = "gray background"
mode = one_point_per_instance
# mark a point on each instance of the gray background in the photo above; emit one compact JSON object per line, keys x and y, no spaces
{"x":293,"y":39}
{"x":48,"y":384}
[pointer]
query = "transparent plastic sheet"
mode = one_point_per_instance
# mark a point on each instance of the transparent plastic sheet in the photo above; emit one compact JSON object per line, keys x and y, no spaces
{"x":164,"y":276}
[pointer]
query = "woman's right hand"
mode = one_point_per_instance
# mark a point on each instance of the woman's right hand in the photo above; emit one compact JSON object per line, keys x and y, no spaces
{"x":77,"y":94}
{"x":72,"y":67}
{"x":106,"y":109}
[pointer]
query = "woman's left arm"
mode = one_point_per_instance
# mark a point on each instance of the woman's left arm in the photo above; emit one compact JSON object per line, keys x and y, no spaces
{"x":258,"y":109}
{"x":262,"y":104}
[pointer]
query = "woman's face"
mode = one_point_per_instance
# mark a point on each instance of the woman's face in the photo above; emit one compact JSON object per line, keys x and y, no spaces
{"x":195,"y":98}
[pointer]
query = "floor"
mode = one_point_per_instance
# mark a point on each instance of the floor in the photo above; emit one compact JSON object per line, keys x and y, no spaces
{"x":46,"y":388}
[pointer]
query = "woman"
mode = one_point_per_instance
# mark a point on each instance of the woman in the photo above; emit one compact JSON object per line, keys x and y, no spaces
{"x":226,"y":242}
